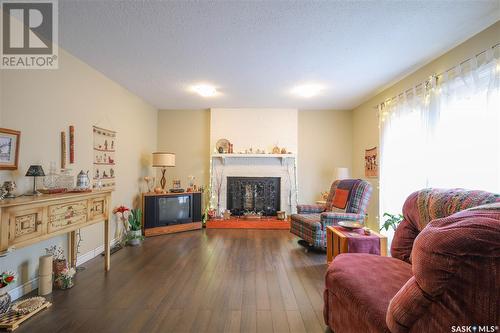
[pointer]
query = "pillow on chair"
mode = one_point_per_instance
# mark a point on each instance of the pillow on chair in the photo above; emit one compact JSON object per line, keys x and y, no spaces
{"x":340,"y":199}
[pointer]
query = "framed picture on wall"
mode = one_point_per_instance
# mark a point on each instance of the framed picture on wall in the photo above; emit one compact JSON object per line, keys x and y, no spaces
{"x":9,"y":149}
{"x":371,"y":163}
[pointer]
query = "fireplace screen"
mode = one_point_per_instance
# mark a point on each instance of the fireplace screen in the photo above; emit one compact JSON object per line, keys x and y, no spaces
{"x":253,"y":194}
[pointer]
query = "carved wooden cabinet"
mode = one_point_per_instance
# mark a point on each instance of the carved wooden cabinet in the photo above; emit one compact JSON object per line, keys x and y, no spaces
{"x":27,"y":220}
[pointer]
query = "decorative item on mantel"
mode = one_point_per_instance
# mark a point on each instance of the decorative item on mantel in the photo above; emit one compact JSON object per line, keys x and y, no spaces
{"x":223,"y":146}
{"x":163,"y":160}
{"x":34,"y":171}
{"x":6,"y":278}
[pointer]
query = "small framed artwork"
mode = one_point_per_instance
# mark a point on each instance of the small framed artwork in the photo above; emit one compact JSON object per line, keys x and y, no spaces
{"x":9,"y":149}
{"x":371,"y":163}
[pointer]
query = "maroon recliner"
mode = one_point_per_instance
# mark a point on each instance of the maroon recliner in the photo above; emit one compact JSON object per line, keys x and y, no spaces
{"x":445,"y":270}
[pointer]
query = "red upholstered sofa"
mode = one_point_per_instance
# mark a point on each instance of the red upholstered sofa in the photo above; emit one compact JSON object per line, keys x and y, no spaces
{"x":445,"y":270}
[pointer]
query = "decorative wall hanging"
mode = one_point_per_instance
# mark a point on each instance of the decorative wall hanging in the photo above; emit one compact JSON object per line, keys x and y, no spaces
{"x":63,"y":150}
{"x":371,"y":163}
{"x":71,"y":144}
{"x":9,"y":149}
{"x":104,"y":158}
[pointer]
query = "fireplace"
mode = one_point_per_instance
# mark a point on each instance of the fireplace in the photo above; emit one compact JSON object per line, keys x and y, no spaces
{"x":253,"y":194}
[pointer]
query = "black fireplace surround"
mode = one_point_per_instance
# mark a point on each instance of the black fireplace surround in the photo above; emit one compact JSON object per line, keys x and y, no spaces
{"x":253,"y":194}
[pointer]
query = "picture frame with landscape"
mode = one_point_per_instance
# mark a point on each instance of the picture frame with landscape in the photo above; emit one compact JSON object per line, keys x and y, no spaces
{"x":9,"y":148}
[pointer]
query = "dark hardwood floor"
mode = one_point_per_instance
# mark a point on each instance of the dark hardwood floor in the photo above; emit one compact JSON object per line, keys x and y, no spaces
{"x":198,"y":281}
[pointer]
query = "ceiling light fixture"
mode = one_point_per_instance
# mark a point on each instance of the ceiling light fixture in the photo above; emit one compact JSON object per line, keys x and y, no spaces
{"x":204,"y":90}
{"x":307,"y":90}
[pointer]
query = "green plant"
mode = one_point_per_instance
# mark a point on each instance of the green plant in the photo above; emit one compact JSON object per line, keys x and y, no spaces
{"x":391,"y":221}
{"x":134,"y":219}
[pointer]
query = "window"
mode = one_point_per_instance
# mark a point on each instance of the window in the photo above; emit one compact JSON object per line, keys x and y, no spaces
{"x":444,"y":133}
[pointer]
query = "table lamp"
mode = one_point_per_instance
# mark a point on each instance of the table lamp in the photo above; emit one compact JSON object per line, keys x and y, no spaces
{"x":163,"y":160}
{"x":342,"y":173}
{"x":35,"y":171}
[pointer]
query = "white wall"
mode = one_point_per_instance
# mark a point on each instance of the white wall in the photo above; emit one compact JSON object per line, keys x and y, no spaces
{"x":325,"y":143}
{"x":185,"y":133}
{"x":41,"y":104}
{"x":256,"y":128}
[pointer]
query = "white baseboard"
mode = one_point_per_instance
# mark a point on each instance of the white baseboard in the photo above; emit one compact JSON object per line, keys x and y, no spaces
{"x":31,"y":285}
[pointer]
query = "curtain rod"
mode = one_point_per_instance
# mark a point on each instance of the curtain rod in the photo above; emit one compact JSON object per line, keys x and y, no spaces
{"x":440,"y":74}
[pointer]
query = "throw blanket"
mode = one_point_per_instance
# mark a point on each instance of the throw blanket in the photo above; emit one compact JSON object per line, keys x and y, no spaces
{"x":437,"y":203}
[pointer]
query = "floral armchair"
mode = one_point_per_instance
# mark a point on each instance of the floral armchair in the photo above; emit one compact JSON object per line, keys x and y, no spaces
{"x":347,"y":201}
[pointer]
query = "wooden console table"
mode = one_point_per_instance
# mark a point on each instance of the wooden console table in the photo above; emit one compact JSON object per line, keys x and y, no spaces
{"x":28,"y":220}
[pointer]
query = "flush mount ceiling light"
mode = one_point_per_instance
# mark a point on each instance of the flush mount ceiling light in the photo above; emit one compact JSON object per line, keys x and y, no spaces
{"x":204,"y":90}
{"x":307,"y":90}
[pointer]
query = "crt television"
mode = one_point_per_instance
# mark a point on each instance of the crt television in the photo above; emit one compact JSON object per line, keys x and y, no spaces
{"x":172,"y":209}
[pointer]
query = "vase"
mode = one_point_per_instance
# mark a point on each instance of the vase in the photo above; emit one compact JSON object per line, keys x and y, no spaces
{"x":134,"y":237}
{"x":4,"y":301}
{"x":58,"y":266}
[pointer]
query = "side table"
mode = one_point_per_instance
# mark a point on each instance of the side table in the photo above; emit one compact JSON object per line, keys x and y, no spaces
{"x":336,"y":243}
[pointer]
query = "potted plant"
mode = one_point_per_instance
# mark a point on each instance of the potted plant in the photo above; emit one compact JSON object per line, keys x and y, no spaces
{"x":6,"y":278}
{"x":134,"y":236}
{"x":65,"y":278}
{"x":392,"y":221}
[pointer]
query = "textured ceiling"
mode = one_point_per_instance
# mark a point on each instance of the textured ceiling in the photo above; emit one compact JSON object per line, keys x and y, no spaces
{"x":255,"y":52}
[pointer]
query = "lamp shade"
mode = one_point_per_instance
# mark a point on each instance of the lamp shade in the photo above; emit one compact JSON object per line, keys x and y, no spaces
{"x":342,"y":173}
{"x":163,"y":159}
{"x":35,"y":171}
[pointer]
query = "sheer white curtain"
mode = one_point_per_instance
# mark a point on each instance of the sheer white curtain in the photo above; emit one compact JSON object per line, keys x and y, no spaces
{"x":444,"y":133}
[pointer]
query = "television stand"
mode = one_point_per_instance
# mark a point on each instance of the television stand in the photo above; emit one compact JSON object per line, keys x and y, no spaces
{"x":169,"y":213}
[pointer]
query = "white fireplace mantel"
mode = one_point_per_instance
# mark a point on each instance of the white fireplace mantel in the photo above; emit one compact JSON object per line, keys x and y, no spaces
{"x":283,"y":166}
{"x":281,"y":157}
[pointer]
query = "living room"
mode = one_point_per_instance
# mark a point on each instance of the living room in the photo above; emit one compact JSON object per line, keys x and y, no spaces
{"x":248,"y":166}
